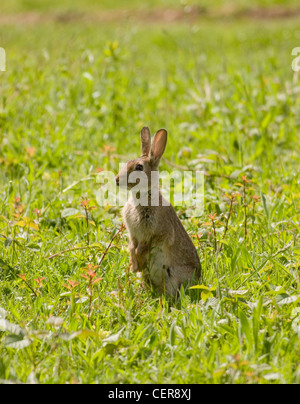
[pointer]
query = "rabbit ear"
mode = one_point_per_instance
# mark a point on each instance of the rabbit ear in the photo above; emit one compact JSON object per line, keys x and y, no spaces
{"x":146,"y":141}
{"x":158,"y":146}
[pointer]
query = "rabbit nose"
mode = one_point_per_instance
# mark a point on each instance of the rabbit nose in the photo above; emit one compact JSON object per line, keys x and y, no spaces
{"x":117,"y":180}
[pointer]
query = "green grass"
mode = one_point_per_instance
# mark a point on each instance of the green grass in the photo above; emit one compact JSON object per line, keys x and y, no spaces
{"x":11,"y":6}
{"x":71,"y":95}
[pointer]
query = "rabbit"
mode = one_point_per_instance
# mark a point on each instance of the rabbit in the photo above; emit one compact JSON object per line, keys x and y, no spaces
{"x":159,"y":246}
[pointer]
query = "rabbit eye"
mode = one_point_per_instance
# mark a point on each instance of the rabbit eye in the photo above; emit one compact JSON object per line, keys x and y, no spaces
{"x":139,"y":167}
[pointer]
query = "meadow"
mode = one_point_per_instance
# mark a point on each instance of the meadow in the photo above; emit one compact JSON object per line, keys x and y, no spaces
{"x":73,"y":100}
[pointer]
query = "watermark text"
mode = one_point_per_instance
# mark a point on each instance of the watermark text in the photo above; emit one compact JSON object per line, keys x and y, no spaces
{"x":2,"y":60}
{"x":179,"y":188}
{"x":296,"y":61}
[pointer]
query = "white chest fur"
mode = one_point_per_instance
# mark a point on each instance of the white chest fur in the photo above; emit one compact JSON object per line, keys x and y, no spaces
{"x":142,"y":224}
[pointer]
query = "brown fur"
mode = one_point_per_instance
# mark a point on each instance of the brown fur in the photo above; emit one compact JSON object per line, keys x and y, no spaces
{"x":159,"y":245}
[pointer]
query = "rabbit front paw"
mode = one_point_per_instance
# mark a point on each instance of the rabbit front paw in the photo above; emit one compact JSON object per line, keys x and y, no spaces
{"x":142,"y":255}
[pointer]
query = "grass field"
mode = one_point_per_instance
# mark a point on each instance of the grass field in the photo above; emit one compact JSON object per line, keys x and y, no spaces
{"x":92,"y":5}
{"x":73,"y":100}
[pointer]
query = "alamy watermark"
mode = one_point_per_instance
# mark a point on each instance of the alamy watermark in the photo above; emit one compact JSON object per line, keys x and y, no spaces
{"x":296,"y":61}
{"x":179,"y":188}
{"x":2,"y":60}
